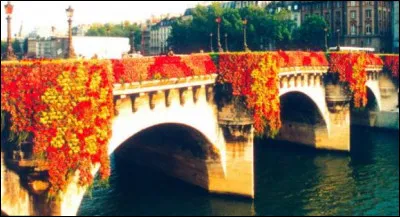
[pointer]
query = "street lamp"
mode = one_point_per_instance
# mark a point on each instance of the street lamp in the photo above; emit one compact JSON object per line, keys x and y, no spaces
{"x":9,"y":53}
{"x":70,"y":14}
{"x":226,"y":42}
{"x":132,"y":40}
{"x":326,"y":39}
{"x":211,"y":45}
{"x":244,"y":35}
{"x":338,"y":45}
{"x":218,"y":20}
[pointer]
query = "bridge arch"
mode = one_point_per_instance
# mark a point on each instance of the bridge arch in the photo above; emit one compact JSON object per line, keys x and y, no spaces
{"x":177,"y":132}
{"x":303,"y":119}
{"x":200,"y":117}
{"x":177,"y":150}
{"x":373,"y":103}
{"x":315,"y":98}
{"x":374,"y":94}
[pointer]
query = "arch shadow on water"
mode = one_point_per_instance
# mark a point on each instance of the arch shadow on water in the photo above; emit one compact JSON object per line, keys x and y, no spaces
{"x":138,"y":184}
{"x":300,"y":117}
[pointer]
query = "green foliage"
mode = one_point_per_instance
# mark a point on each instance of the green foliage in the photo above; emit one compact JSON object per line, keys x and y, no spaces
{"x":16,"y":45}
{"x":193,"y":35}
{"x":3,"y":47}
{"x":311,"y":34}
{"x":116,"y":30}
{"x":3,"y":120}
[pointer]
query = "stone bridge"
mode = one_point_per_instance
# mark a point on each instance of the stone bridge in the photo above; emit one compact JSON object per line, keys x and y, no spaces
{"x":315,"y":112}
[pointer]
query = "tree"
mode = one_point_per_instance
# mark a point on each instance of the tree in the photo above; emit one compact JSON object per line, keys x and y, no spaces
{"x":3,"y":47}
{"x":193,"y":35}
{"x":311,"y":34}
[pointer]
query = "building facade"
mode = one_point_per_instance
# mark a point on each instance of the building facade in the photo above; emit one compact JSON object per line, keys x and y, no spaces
{"x":355,"y":23}
{"x":145,"y":43}
{"x":292,"y":6}
{"x":395,"y":27}
{"x":50,"y":48}
{"x":159,"y":34}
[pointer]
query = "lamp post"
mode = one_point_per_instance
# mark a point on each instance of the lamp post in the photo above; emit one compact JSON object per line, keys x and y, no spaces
{"x":244,"y":35}
{"x":9,"y":53}
{"x":211,"y":45}
{"x":226,"y":42}
{"x":326,"y":39}
{"x":70,"y":14}
{"x":218,"y":20}
{"x":132,"y":40}
{"x":338,"y":45}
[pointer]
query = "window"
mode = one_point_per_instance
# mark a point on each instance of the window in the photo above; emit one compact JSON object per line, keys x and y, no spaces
{"x":352,"y":3}
{"x":353,"y":14}
{"x":295,"y":7}
{"x":353,"y":41}
{"x":369,"y":41}
{"x":327,"y":17}
{"x":289,"y":7}
{"x":337,"y":15}
{"x":353,"y":29}
{"x":338,"y":4}
{"x":368,"y":13}
{"x":368,"y":29}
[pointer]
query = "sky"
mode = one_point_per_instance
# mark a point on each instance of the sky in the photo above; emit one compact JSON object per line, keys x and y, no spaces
{"x":44,"y":14}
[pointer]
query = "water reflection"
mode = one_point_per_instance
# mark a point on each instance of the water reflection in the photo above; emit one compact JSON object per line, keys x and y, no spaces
{"x":290,"y":180}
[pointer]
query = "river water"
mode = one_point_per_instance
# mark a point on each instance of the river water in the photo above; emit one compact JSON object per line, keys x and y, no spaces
{"x":289,"y":180}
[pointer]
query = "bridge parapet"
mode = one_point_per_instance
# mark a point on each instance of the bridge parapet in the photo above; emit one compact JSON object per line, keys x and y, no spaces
{"x":302,"y":76}
{"x":157,"y":89}
{"x":165,"y":84}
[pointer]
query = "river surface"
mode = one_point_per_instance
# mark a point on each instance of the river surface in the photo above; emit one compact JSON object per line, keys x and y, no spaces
{"x":289,"y":180}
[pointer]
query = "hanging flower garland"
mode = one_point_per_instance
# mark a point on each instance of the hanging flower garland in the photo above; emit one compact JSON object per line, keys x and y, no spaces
{"x":201,"y":64}
{"x":392,"y":64}
{"x":301,"y":59}
{"x":264,"y":97}
{"x":169,"y":67}
{"x":352,"y":69}
{"x":255,"y":76}
{"x":148,"y":68}
{"x":131,"y":69}
{"x":67,"y":106}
